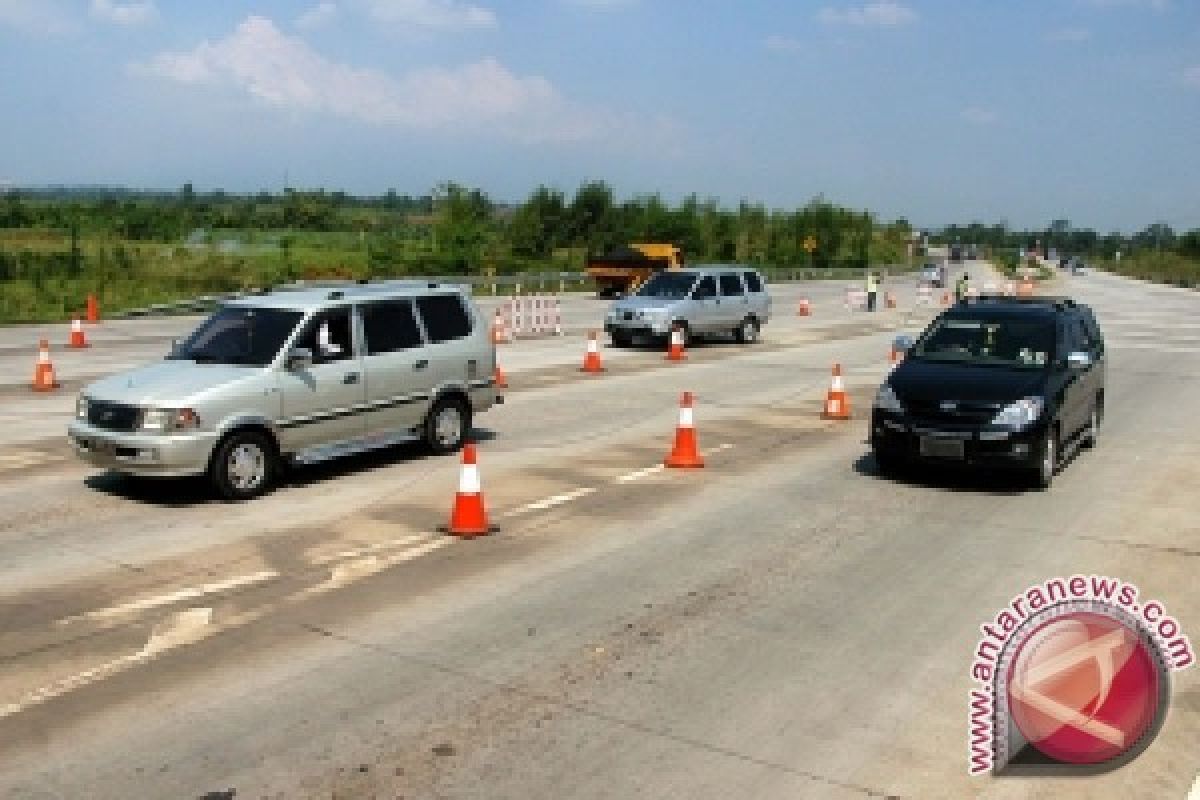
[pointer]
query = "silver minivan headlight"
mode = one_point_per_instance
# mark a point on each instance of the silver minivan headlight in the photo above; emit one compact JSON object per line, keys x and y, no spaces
{"x":168,"y":420}
{"x":1020,"y":414}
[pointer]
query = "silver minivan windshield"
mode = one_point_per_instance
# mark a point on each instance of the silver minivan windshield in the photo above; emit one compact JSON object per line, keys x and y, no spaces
{"x":672,"y":285}
{"x":241,"y":336}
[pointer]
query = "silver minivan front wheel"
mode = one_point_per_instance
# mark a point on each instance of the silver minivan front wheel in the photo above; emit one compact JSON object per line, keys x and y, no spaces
{"x":747,"y":332}
{"x":242,"y":465}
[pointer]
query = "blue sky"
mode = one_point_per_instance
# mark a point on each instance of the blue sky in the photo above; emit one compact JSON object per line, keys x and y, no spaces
{"x":939,"y":111}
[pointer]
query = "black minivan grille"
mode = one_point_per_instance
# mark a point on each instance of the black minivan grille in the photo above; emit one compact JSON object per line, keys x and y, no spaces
{"x":113,"y":416}
{"x":975,"y":414}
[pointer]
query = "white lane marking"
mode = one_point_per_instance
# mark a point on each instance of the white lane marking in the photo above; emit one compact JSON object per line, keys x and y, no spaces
{"x":195,"y":624}
{"x":639,"y":474}
{"x":182,"y":628}
{"x":389,"y":544}
{"x":189,"y":593}
{"x":1194,"y":794}
{"x":636,"y":475}
{"x":549,"y":502}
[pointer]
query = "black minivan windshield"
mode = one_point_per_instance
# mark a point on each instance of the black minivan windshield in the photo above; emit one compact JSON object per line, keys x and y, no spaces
{"x":1014,"y":343}
{"x":673,"y":285}
{"x":250,"y":337}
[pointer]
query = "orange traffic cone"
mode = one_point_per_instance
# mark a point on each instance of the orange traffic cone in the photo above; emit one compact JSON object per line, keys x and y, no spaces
{"x":894,"y":358}
{"x":93,"y":309}
{"x":591,"y":361}
{"x":468,"y":517}
{"x":685,"y":454}
{"x":1026,"y":288}
{"x":43,"y":373}
{"x":499,"y":329}
{"x":837,"y":404}
{"x":675,"y":352}
{"x":78,"y":339}
{"x":805,"y":308}
{"x":499,"y":378}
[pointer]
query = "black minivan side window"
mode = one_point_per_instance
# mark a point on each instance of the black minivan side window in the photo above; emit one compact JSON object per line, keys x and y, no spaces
{"x":707,"y":287}
{"x":389,"y":326}
{"x":444,"y":316}
{"x":731,"y":285}
{"x":753,"y":284}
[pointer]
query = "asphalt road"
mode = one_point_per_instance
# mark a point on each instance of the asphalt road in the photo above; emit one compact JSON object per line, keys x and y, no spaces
{"x":783,"y":623}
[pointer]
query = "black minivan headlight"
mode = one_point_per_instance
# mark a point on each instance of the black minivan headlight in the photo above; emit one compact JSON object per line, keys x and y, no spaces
{"x":886,"y":400}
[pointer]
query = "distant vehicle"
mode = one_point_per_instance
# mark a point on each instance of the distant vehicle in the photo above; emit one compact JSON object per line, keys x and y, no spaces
{"x":299,"y":376}
{"x":956,"y":253}
{"x":622,"y":270}
{"x":701,"y":300}
{"x":933,"y":275}
{"x":999,"y":381}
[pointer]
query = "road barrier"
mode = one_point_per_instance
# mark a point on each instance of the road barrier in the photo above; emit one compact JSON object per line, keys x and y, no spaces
{"x":531,"y":315}
{"x":469,"y":516}
{"x":837,"y":404}
{"x":675,"y":351}
{"x":686,"y":452}
{"x":591,"y":359}
{"x":43,"y":371}
{"x":77,"y":338}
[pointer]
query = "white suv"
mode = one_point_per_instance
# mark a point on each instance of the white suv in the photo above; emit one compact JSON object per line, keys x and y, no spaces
{"x":298,"y":376}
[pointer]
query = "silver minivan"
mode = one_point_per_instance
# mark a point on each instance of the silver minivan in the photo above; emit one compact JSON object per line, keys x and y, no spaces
{"x":700,"y":300}
{"x":296,"y":377}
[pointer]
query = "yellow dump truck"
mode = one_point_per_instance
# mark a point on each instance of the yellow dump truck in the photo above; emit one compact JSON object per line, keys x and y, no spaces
{"x":623,"y":270}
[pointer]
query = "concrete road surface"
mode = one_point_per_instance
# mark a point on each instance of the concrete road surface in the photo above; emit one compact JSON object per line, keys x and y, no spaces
{"x":783,"y":623}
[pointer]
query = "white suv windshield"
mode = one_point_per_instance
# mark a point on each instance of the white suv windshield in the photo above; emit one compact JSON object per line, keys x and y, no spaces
{"x":241,"y":336}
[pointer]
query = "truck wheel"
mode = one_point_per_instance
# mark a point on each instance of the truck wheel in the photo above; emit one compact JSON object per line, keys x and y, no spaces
{"x":747,"y":332}
{"x":243,"y":465}
{"x":447,"y":425}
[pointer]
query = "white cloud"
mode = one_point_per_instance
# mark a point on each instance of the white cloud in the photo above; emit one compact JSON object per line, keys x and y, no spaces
{"x":1069,"y":35}
{"x":431,"y":14}
{"x":883,"y":13}
{"x":979,"y":116}
{"x":1191,"y":76}
{"x":783,"y":44}
{"x":284,"y":72}
{"x":318,"y":16}
{"x":135,"y":13}
{"x":36,"y":17}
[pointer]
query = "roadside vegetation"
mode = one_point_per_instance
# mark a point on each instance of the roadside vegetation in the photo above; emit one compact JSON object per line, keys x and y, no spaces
{"x":134,"y":249}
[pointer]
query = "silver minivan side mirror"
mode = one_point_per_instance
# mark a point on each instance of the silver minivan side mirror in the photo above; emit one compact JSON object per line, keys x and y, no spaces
{"x":1079,"y":360}
{"x":298,"y":359}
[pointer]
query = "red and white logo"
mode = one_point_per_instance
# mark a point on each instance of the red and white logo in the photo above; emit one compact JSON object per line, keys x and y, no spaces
{"x":1073,"y":676}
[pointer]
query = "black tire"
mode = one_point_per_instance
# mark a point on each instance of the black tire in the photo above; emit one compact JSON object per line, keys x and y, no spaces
{"x":621,"y":339}
{"x":244,"y":465}
{"x":747,"y":332}
{"x":447,"y":425}
{"x":1091,"y":434}
{"x":887,"y":464}
{"x":1043,"y":473}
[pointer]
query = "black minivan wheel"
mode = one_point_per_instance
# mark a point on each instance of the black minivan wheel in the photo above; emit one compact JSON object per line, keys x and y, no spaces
{"x":1047,"y":460}
{"x":243,"y":465}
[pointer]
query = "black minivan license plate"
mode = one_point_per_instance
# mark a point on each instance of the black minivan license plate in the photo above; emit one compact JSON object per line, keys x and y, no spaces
{"x":934,"y":447}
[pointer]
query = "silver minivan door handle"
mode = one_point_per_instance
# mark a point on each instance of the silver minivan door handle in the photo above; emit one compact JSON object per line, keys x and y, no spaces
{"x":350,"y":377}
{"x":422,"y":364}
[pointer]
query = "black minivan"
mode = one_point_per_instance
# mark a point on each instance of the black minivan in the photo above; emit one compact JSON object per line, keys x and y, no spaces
{"x":995,"y":381}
